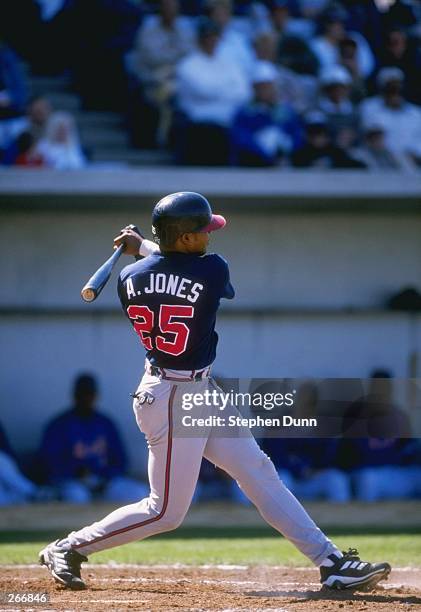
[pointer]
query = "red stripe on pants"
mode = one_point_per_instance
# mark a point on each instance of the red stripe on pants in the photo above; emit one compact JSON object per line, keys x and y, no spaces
{"x":166,"y":487}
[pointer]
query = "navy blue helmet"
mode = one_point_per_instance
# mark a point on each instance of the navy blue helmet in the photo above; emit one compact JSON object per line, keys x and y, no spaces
{"x":183,"y":212}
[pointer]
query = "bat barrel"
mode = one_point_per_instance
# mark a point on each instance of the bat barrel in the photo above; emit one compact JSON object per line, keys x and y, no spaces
{"x":96,"y":283}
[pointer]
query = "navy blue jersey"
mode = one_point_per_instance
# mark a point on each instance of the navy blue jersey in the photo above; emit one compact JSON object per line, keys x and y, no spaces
{"x":171,"y":300}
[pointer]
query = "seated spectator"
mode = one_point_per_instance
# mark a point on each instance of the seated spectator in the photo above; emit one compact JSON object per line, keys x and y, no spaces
{"x":27,"y":154}
{"x":210,"y":90}
{"x":378,"y":448}
{"x":12,"y":96}
{"x":400,"y":119}
{"x":60,"y":146}
{"x":15,"y":488}
{"x":293,"y":51}
{"x":298,"y":90}
{"x":161,"y":42}
{"x":313,"y":461}
{"x":374,"y":153}
{"x":318,"y":151}
{"x":341,"y":115}
{"x":30,"y":130}
{"x":399,"y":51}
{"x":327,"y":48}
{"x":265,"y":130}
{"x":83,"y":453}
{"x":37,"y":115}
{"x":233,"y":44}
{"x":348,"y":58}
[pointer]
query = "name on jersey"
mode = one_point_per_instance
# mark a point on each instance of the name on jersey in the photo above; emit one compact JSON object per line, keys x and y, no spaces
{"x":171,"y":284}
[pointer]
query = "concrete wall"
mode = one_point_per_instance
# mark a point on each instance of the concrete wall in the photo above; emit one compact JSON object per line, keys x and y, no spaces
{"x":295,"y":276}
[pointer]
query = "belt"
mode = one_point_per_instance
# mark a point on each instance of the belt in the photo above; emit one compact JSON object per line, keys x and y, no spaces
{"x":192,"y":375}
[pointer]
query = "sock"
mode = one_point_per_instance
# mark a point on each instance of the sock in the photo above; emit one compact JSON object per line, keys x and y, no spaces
{"x":328,"y":561}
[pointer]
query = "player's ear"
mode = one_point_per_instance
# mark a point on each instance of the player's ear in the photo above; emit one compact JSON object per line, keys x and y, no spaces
{"x":187,"y":238}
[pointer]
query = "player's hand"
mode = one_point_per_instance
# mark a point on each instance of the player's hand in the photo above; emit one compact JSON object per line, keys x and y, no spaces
{"x":131,"y":237}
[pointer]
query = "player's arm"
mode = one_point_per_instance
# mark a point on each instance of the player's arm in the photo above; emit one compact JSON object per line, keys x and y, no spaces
{"x":136,"y":244}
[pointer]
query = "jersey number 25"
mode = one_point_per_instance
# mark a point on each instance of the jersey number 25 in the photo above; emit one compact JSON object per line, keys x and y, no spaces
{"x":143,"y":323}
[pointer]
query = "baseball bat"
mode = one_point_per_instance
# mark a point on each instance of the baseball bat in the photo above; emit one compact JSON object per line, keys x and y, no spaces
{"x":97,"y":282}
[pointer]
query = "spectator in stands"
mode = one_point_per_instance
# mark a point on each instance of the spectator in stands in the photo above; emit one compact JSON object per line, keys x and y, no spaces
{"x":83,"y":452}
{"x":298,"y":90}
{"x":400,"y":119}
{"x":399,"y":51}
{"x":374,"y":153}
{"x":210,"y":90}
{"x":37,"y":115}
{"x":15,"y":488}
{"x":161,"y":42}
{"x":348,"y":58}
{"x":27,"y":154}
{"x":233,"y":44}
{"x":30,"y":131}
{"x":327,"y":47}
{"x":12,"y":96}
{"x":60,"y":146}
{"x":341,"y":115}
{"x":379,"y":457}
{"x":293,"y":51}
{"x":318,"y":151}
{"x":312,"y":459}
{"x":266,"y":130}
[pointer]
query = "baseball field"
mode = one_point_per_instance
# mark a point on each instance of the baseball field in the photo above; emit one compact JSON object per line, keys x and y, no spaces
{"x":202,"y":567}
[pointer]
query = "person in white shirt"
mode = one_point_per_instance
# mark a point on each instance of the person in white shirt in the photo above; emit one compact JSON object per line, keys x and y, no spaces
{"x":60,"y":147}
{"x":210,"y":89}
{"x":232,"y":44}
{"x":400,"y":119}
{"x":327,"y":46}
{"x":335,"y":103}
{"x":161,"y":42}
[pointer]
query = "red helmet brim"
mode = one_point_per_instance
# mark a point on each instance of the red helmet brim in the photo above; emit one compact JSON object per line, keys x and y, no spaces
{"x":217,"y":222}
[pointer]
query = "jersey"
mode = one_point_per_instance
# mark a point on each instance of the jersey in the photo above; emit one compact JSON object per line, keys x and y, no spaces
{"x":172,"y":300}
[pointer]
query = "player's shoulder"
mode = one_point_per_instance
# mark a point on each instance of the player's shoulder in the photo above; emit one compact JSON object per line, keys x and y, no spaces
{"x":217,"y":265}
{"x":215,"y":260}
{"x":139,"y":267}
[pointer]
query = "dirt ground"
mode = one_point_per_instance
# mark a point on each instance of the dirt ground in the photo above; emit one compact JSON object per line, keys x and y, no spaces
{"x":227,"y":588}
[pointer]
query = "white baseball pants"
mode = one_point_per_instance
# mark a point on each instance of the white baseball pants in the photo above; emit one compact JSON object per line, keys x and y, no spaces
{"x":173,"y":468}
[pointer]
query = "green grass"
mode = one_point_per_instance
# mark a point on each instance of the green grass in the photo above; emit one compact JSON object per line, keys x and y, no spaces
{"x":242,"y":546}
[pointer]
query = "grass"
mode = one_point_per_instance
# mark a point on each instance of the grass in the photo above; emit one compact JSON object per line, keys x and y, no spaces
{"x":242,"y":546}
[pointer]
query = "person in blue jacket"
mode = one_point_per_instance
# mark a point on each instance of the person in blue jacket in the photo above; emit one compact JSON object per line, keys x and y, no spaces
{"x":266,"y":130}
{"x":83,"y":453}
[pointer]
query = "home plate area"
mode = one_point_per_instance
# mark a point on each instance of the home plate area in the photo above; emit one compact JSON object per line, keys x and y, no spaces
{"x":228,"y":588}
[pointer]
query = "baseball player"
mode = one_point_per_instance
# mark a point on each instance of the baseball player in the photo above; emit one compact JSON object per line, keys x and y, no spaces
{"x":171,"y":297}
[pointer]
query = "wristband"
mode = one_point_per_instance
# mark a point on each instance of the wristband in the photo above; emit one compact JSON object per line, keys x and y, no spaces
{"x":148,"y":247}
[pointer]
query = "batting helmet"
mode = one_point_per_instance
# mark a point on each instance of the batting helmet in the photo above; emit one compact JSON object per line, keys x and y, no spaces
{"x":180,"y":213}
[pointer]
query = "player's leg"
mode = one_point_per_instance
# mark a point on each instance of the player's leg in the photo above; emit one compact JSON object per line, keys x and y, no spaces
{"x":241,"y":457}
{"x":173,"y":470}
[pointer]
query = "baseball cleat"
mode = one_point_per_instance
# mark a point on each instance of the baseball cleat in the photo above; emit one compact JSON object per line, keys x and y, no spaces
{"x":64,"y":565}
{"x":349,"y":572}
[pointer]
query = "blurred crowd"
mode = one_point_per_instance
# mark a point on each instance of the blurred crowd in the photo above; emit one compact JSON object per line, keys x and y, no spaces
{"x":301,"y":83}
{"x":82,"y":457}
